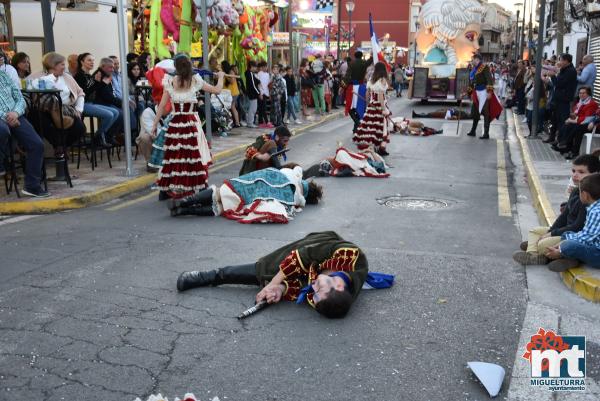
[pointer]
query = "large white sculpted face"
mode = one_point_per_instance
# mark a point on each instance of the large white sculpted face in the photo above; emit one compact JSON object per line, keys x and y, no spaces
{"x":453,"y":27}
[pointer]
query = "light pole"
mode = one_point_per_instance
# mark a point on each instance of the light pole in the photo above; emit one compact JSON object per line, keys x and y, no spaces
{"x":517,"y":36}
{"x":339,"y":24}
{"x":350,"y":9}
{"x":415,"y":39}
{"x":523,"y":30}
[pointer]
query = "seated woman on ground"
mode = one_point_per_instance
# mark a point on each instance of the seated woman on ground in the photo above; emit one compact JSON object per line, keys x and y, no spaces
{"x":263,"y":196}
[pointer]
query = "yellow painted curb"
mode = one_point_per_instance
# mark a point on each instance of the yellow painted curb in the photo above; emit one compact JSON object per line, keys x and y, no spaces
{"x":80,"y":201}
{"x":578,"y":280}
{"x":115,"y":191}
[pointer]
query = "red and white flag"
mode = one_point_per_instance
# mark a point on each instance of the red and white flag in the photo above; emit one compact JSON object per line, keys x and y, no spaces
{"x":377,"y":52}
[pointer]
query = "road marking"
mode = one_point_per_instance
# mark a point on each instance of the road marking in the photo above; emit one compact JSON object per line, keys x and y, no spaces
{"x":504,"y":208}
{"x":131,"y":202}
{"x":17,"y":219}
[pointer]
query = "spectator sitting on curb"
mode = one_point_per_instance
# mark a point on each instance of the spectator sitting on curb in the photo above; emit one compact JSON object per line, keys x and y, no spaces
{"x":571,"y":218}
{"x":583,"y":246}
{"x":571,"y":134}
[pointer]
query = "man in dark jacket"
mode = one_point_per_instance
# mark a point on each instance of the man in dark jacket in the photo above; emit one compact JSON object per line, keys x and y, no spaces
{"x":572,"y":218}
{"x":354,"y":82}
{"x":519,"y":87}
{"x":564,"y":83}
{"x":321,"y":269}
{"x":105,"y":95}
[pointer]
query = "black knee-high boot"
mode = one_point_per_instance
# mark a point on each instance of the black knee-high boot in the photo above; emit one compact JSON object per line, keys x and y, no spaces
{"x":242,"y":274}
{"x":203,"y":197}
{"x":193,"y":210}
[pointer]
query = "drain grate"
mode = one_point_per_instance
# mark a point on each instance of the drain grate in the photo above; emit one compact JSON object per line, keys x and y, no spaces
{"x":413,"y":203}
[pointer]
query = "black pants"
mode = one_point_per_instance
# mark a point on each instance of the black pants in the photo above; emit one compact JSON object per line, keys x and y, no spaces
{"x":571,"y":135}
{"x":262,"y":110}
{"x":561,"y":113}
{"x":59,"y":138}
{"x":521,"y":100}
{"x":283,"y":107}
{"x":486,"y":117}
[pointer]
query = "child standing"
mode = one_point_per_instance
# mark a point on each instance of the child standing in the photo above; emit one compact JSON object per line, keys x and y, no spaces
{"x":583,"y":246}
{"x":277,"y":94}
{"x":253,"y":92}
{"x":290,"y":83}
{"x":572,"y":218}
{"x":263,"y":97}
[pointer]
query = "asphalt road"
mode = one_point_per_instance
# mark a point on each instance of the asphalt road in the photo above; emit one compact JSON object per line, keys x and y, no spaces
{"x":89,"y":310}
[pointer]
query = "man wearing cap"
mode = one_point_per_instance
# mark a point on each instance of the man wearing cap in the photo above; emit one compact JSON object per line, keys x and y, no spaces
{"x":321,"y":269}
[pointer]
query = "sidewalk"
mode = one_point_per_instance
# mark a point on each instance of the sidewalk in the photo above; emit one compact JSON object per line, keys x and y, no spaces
{"x":103,"y":184}
{"x":548,"y":174}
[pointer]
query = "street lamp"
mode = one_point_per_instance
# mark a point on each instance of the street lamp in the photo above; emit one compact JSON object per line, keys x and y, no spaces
{"x":350,"y":9}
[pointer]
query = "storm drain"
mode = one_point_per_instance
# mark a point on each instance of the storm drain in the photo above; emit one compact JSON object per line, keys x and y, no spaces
{"x":413,"y":203}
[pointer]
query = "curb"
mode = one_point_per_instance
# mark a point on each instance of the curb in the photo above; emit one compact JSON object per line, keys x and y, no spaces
{"x":124,"y":188}
{"x":579,"y":280}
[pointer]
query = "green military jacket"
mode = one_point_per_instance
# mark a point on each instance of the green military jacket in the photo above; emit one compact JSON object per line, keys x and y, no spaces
{"x":302,"y":260}
{"x":483,"y":78}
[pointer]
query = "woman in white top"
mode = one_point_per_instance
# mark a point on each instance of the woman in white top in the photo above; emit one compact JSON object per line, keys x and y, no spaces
{"x":373,"y":128}
{"x":72,"y":97}
{"x":187,"y":155}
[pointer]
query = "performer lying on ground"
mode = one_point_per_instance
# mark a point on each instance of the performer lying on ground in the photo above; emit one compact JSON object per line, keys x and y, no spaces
{"x":264,"y":196}
{"x":404,"y":126}
{"x":349,"y":164}
{"x":259,"y":155}
{"x":447,"y":114}
{"x":322,"y":269}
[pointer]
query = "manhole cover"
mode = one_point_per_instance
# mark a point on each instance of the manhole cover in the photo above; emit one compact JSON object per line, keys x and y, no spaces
{"x":413,"y":203}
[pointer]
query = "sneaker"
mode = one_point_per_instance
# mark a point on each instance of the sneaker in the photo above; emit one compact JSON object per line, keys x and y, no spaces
{"x":288,"y":121}
{"x":524,"y":120}
{"x":36,"y":193}
{"x":298,"y":122}
{"x":528,"y":259}
{"x":243,"y":123}
{"x":252,"y":126}
{"x":562,"y":265}
{"x":523,"y":246}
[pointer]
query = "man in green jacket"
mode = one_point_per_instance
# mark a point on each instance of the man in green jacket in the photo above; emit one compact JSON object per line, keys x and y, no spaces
{"x":322,"y":269}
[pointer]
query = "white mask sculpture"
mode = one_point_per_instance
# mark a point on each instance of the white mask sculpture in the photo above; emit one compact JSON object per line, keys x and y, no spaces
{"x":449,"y":34}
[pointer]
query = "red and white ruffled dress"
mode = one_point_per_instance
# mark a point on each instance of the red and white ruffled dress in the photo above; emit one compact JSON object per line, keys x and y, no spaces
{"x":373,"y":130}
{"x":187,"y":154}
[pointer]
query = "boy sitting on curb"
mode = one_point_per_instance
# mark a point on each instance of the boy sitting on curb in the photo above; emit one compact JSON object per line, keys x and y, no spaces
{"x":583,"y":246}
{"x":572,"y":218}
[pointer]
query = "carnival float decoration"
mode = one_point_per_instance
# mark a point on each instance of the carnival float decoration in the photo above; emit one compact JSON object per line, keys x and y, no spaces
{"x":448,"y":36}
{"x":164,"y":27}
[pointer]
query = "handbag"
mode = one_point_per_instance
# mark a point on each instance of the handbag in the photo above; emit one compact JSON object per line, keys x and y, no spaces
{"x":50,"y":105}
{"x":307,"y":82}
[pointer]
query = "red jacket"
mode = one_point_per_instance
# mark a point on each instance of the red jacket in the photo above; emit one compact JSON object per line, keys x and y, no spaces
{"x":585,"y":110}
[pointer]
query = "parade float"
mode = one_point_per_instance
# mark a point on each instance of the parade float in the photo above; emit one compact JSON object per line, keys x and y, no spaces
{"x":448,"y":36}
{"x":238,"y":31}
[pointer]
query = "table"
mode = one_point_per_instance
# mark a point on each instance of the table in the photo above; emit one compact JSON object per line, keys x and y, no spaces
{"x":33,"y":98}
{"x":145,"y":91}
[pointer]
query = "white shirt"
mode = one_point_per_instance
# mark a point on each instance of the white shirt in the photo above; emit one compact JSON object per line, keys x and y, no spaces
{"x":65,"y":93}
{"x":147,"y":121}
{"x":12,"y":73}
{"x":264,"y":79}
